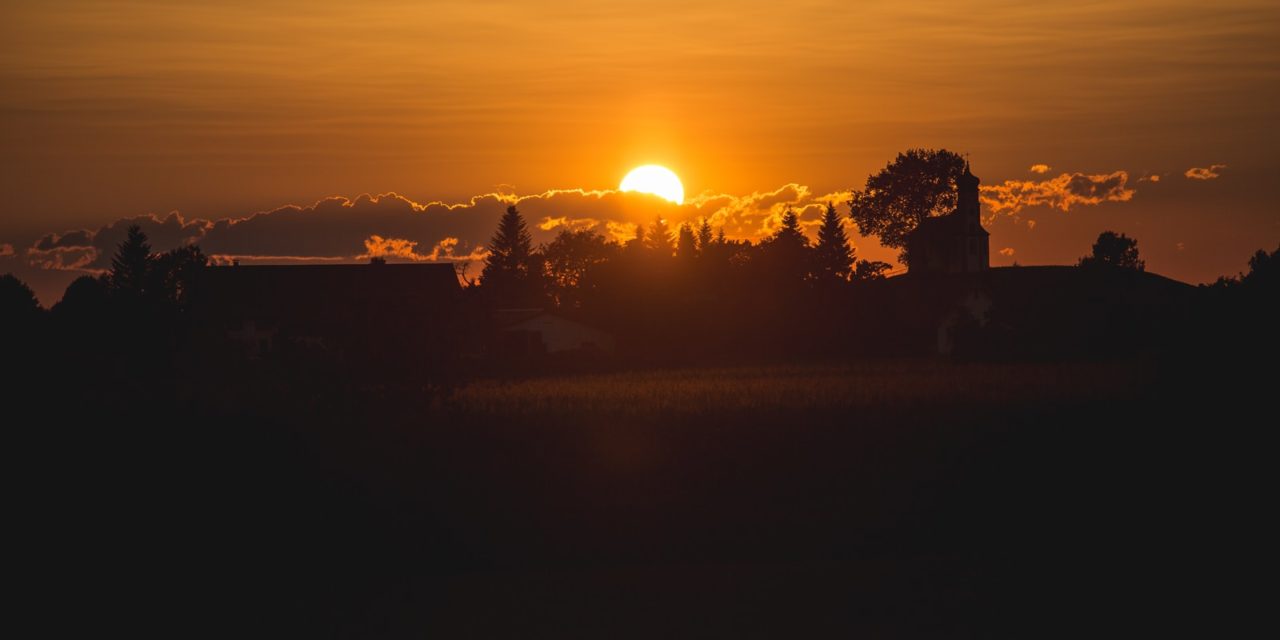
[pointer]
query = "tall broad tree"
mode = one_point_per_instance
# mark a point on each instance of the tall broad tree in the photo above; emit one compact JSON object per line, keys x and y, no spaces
{"x":569,"y":261}
{"x":507,"y":267}
{"x":1114,"y":250}
{"x":833,"y":257}
{"x":918,"y":184}
{"x":131,"y":265}
{"x":17,"y":301}
{"x":175,"y":271}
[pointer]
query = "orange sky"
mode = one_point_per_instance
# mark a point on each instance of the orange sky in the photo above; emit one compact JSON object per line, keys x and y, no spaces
{"x":220,"y":110}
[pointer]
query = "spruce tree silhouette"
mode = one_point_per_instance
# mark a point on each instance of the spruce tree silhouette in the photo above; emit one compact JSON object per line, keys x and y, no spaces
{"x":131,"y":266}
{"x":919,"y":183}
{"x":833,"y":257}
{"x":686,"y":243}
{"x":636,"y":245}
{"x":1114,"y":250}
{"x":657,"y":239}
{"x":786,"y":255}
{"x":705,"y":237}
{"x":509,"y":275}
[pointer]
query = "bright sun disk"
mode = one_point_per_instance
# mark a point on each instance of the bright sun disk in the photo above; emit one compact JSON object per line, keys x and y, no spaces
{"x":655,"y":179}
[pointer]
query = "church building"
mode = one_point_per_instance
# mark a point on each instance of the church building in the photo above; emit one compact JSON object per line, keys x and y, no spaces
{"x":955,"y":242}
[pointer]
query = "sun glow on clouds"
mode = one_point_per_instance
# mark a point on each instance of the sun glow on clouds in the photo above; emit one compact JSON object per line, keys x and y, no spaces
{"x":1205,"y":173}
{"x":655,"y":179}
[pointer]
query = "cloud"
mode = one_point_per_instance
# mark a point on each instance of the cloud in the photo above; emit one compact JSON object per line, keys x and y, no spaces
{"x":1205,"y":173}
{"x":1063,"y":192}
{"x":401,"y":249}
{"x":64,"y":258}
{"x":1007,"y":251}
{"x":1031,"y":225}
{"x":1155,"y":177}
{"x":379,"y":247}
{"x":548,"y":223}
{"x":340,"y":229}
{"x":1039,"y":168}
{"x":6,"y":250}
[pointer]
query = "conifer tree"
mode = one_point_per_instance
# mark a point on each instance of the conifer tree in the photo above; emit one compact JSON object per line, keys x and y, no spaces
{"x":789,"y":233}
{"x":507,"y":267}
{"x":704,"y":235}
{"x":636,"y":244}
{"x":131,"y":266}
{"x":686,"y":243}
{"x":787,"y":251}
{"x":658,"y":239}
{"x":833,"y":257}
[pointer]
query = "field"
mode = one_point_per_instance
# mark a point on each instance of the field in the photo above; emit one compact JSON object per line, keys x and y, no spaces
{"x":874,"y":385}
{"x":884,"y":498}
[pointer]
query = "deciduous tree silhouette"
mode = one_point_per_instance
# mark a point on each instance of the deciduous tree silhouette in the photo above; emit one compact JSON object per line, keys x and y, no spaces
{"x":569,"y":261}
{"x":919,"y":183}
{"x":18,"y":302}
{"x":1264,"y":270}
{"x":870,"y":270}
{"x":833,"y":257}
{"x":174,"y":272}
{"x":84,"y":298}
{"x":1114,"y":250}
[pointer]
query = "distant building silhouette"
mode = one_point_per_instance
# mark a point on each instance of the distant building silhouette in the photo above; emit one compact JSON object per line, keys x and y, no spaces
{"x":956,"y":242}
{"x":527,"y":332}
{"x":333,"y":306}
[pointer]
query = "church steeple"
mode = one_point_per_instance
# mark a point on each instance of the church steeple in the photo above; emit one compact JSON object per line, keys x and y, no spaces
{"x":967,"y":203}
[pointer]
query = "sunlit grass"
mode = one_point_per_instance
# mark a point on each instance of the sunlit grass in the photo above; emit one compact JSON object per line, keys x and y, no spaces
{"x":801,"y":388}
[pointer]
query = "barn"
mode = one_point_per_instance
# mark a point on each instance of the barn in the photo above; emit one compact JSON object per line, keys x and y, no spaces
{"x":527,"y":332}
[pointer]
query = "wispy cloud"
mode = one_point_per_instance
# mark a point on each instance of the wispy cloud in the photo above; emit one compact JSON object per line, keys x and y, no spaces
{"x":392,"y":226}
{"x":1063,"y":192}
{"x":1007,"y":251}
{"x":1205,"y":173}
{"x":1039,"y":168}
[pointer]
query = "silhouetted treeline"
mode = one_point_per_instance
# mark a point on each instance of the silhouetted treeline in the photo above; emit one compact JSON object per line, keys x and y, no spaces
{"x":288,"y":493}
{"x":690,"y":291}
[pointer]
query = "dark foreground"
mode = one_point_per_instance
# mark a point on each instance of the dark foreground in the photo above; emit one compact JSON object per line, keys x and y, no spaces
{"x":883,"y":499}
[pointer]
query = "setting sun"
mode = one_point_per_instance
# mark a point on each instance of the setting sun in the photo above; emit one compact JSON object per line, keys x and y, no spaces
{"x":655,"y":179}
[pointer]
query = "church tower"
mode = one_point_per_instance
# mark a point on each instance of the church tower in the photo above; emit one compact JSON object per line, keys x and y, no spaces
{"x":956,"y":242}
{"x":967,"y":204}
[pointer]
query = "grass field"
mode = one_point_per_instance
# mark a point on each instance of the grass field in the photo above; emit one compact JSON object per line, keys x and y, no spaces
{"x":896,"y":498}
{"x":900,"y":384}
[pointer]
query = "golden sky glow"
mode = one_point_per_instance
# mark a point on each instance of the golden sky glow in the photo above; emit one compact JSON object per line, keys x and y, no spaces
{"x":219,"y":110}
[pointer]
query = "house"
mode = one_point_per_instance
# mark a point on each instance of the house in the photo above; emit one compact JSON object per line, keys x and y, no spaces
{"x":525,"y":332}
{"x":955,"y":242}
{"x":366,"y":309}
